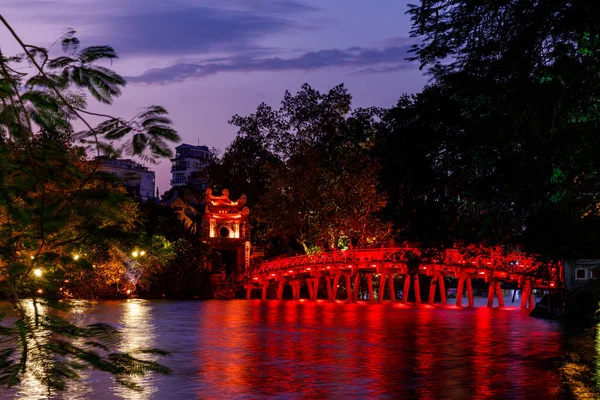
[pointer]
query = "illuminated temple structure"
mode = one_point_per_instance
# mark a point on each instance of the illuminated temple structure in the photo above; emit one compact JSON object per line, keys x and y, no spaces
{"x":226,"y":228}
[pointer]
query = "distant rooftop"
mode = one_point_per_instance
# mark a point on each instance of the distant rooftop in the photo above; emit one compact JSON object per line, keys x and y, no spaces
{"x":189,"y":151}
{"x":189,"y":146}
{"x":121,"y":163}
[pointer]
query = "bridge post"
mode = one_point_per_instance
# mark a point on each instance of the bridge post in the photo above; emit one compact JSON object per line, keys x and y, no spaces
{"x":490,"y":302}
{"x":370,"y":286}
{"x":470,"y":291}
{"x":334,"y":288}
{"x":328,"y":284}
{"x":459,"y":291}
{"x":264,"y":290}
{"x":309,"y":283}
{"x":524,"y":294}
{"x":381,"y":287}
{"x":442,"y":285}
{"x":432,"y":287}
{"x":499,"y":294}
{"x":280,"y":289}
{"x":295,"y":289}
{"x":315,"y":291}
{"x":391,"y":287}
{"x":417,"y":288}
{"x":349,"y":288}
{"x":248,"y":291}
{"x":531,"y":299}
{"x":356,"y":287}
{"x":406,"y":290}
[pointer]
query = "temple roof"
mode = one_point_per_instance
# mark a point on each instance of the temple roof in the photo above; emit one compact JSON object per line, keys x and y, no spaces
{"x":223,"y":204}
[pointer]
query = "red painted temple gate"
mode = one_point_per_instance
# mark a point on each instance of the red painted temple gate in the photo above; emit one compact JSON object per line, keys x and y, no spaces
{"x":226,"y":228}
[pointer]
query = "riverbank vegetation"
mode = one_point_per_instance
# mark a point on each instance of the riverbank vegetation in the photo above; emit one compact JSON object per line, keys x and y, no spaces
{"x":60,"y":218}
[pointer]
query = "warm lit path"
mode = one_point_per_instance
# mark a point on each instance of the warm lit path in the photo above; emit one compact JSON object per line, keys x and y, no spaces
{"x":410,"y":263}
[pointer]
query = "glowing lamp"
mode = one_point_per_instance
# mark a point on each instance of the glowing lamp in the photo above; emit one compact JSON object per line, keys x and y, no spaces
{"x":76,"y":257}
{"x":128,"y":291}
{"x":328,"y":267}
{"x":481,"y":273}
{"x":272,"y":274}
{"x":255,"y":278}
{"x":290,"y":271}
{"x":135,"y":253}
{"x":142,"y":253}
{"x":37,"y":272}
{"x":32,"y":257}
{"x":40,"y":291}
{"x":552,"y":284}
{"x":308,"y":269}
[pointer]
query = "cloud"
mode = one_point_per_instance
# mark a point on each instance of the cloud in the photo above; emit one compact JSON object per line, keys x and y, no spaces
{"x":172,"y":27}
{"x":189,"y":31}
{"x":390,"y":58}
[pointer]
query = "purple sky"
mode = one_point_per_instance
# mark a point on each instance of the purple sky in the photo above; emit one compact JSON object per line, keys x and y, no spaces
{"x":206,"y":60}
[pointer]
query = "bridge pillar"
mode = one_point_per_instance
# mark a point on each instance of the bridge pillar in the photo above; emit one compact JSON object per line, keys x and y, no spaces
{"x":438,"y":281}
{"x":349,"y":287}
{"x":491,"y":289}
{"x":391,"y":287}
{"x":313,"y":286}
{"x":381,"y":287}
{"x":264,"y":290}
{"x":316,"y":286}
{"x":527,"y":300}
{"x":459,"y":290}
{"x":469,"y":291}
{"x":328,"y":284}
{"x":370,"y":286}
{"x":280,"y":289}
{"x":433,"y":286}
{"x":334,"y":287}
{"x":248,"y":292}
{"x":406,"y":290}
{"x":417,"y":288}
{"x":295,"y":289}
{"x":355,"y":289}
{"x":499,"y":294}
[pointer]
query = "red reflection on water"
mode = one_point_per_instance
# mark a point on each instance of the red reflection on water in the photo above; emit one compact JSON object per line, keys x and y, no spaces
{"x":323,"y":350}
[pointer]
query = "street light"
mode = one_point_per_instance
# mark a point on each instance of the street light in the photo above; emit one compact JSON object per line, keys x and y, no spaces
{"x":138,"y":253}
{"x":37,"y":272}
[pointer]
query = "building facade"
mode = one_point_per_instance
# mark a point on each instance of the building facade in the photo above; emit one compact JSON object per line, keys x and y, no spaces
{"x":579,"y":272}
{"x":186,"y":167}
{"x":137,"y":178}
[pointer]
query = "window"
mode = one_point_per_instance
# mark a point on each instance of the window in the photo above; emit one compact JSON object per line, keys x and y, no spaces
{"x":178,"y":178}
{"x":581,"y":273}
{"x":596,"y":273}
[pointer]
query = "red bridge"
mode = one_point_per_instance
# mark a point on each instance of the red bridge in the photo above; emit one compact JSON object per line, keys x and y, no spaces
{"x":385,"y":264}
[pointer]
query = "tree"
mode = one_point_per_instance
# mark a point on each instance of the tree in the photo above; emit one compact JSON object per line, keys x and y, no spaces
{"x":57,"y":212}
{"x":320,"y":183}
{"x":524,"y":78}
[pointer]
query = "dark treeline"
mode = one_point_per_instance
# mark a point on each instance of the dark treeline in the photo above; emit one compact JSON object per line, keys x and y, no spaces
{"x":499,"y":149}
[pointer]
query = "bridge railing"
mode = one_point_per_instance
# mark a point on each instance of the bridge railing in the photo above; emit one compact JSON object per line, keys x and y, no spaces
{"x":512,"y":263}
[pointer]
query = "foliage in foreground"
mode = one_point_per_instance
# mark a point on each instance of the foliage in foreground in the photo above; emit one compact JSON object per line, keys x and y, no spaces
{"x":58,"y":215}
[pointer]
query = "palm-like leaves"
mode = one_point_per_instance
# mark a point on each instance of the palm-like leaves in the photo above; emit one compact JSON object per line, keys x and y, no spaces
{"x":55,"y":96}
{"x":55,"y":202}
{"x":150,"y":130}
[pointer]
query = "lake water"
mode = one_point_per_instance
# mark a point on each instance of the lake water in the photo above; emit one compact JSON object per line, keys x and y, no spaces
{"x":268,"y":349}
